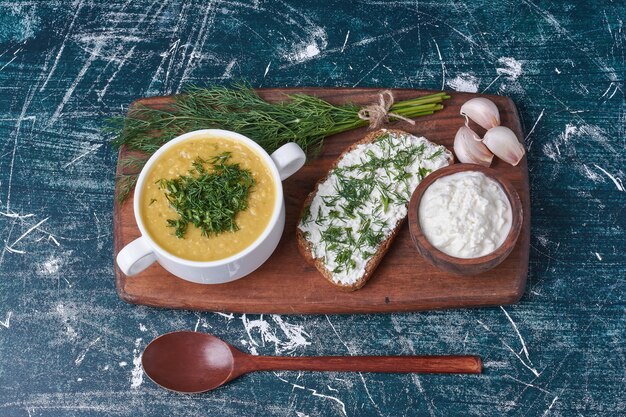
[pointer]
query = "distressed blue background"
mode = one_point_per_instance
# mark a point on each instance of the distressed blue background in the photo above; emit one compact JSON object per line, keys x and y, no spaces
{"x":69,"y":346}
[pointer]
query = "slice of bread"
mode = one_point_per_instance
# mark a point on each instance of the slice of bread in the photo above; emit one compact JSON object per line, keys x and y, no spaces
{"x":359,"y":265}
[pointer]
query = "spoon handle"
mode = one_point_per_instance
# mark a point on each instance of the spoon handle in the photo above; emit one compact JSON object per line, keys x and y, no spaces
{"x":467,"y":364}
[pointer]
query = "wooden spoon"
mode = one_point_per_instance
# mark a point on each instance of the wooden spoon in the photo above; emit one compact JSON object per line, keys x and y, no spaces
{"x":192,"y":362}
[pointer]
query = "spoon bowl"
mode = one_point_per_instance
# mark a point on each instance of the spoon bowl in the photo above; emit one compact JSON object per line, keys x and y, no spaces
{"x":192,"y":362}
{"x":188,"y":361}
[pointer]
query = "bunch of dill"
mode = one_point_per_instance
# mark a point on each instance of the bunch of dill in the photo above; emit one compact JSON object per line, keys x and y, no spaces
{"x":300,"y":118}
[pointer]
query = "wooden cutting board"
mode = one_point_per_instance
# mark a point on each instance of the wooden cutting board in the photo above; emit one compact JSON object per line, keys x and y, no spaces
{"x":287,"y":284}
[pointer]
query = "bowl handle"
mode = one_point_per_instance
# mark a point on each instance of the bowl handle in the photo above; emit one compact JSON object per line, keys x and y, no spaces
{"x":135,"y":257}
{"x":288,"y":159}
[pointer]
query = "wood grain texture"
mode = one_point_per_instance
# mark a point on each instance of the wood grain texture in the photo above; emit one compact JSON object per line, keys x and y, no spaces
{"x":193,"y":362}
{"x":466,"y":364}
{"x":287,"y":284}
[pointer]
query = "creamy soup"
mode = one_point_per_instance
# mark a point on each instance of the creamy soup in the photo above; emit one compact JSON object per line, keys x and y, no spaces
{"x":177,"y":161}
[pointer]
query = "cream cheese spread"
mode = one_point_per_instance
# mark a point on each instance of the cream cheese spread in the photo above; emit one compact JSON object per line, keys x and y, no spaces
{"x":362,"y":200}
{"x":465,"y":215}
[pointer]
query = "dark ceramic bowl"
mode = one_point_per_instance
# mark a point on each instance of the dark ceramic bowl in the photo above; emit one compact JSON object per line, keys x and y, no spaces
{"x":463,"y":266}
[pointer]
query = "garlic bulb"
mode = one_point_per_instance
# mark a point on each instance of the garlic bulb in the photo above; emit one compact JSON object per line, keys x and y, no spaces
{"x":469,"y":149}
{"x":482,"y":111}
{"x":504,"y":144}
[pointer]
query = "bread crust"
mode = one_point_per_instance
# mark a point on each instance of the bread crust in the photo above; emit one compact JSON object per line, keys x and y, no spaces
{"x":304,"y":247}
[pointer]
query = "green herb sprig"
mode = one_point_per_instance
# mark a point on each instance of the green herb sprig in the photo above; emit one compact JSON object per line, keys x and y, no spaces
{"x":210,"y":200}
{"x":300,"y":118}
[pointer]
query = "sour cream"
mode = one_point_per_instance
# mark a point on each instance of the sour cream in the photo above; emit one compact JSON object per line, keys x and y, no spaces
{"x":465,"y":215}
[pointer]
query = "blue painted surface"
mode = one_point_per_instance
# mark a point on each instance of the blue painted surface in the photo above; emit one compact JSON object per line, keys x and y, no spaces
{"x":70,"y":347}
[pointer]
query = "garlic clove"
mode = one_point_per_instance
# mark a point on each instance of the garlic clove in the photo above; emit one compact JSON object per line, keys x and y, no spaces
{"x":482,"y":111}
{"x":503,"y":142}
{"x":469,"y":149}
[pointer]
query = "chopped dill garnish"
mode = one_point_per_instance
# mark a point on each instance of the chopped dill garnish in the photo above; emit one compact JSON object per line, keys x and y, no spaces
{"x":423,"y":172}
{"x":332,"y":235}
{"x":208,"y":199}
{"x":385,"y":200}
{"x":331,"y":200}
{"x":356,"y":191}
{"x":344,"y":259}
{"x":435,"y":154}
{"x":334,"y":214}
{"x":306,"y":215}
{"x":320,"y":217}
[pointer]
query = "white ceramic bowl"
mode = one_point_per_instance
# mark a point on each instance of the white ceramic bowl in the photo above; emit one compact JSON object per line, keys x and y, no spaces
{"x":143,"y":251}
